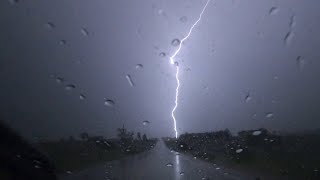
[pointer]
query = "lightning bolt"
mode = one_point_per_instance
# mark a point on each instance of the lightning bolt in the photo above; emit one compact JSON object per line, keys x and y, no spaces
{"x":177,"y":67}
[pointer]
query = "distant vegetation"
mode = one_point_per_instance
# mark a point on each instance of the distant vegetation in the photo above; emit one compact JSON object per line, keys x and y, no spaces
{"x":293,"y":156}
{"x":72,"y":154}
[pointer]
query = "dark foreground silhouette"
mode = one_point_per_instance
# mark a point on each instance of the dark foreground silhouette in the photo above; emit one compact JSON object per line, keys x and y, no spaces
{"x":43,"y":160}
{"x":21,"y":161}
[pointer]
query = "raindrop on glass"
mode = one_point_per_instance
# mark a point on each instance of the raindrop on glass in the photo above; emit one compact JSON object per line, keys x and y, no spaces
{"x":273,"y":11}
{"x":169,"y":165}
{"x":129,"y":79}
{"x":181,"y":173}
{"x":63,"y":42}
{"x":59,"y":80}
{"x":161,"y":12}
{"x":175,"y":42}
{"x":176,"y":63}
{"x":183,"y":19}
{"x":288,"y":38}
{"x":84,"y":31}
{"x":239,"y":150}
{"x":300,"y":61}
{"x":269,"y":115}
{"x":256,"y":133}
{"x":82,"y":97}
{"x":248,"y":97}
{"x":13,"y":1}
{"x":162,"y":54}
{"x":145,"y":123}
{"x":70,"y":87}
{"x":292,"y":22}
{"x":139,"y":66}
{"x":50,"y":25}
{"x":109,"y":102}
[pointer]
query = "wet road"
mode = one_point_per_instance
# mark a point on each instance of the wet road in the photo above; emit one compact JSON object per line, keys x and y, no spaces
{"x":157,"y":164}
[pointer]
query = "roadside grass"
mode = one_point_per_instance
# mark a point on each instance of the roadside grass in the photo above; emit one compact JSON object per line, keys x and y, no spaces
{"x":77,"y":155}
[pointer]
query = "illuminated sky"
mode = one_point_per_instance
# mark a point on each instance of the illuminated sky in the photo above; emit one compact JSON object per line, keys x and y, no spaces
{"x":239,"y":69}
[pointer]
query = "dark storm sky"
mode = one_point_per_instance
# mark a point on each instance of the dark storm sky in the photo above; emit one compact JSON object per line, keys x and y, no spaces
{"x":240,"y":69}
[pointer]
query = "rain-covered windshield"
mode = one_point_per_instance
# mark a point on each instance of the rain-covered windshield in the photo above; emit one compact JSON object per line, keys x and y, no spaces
{"x":159,"y":89}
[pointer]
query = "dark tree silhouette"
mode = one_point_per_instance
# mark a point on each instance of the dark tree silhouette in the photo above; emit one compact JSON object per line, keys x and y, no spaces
{"x":123,"y":134}
{"x":144,"y":137}
{"x":19,"y":159}
{"x":126,"y":138}
{"x":84,"y":136}
{"x":139,"y":136}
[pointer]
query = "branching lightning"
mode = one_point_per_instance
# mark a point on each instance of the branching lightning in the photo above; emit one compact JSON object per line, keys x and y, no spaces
{"x":177,"y":67}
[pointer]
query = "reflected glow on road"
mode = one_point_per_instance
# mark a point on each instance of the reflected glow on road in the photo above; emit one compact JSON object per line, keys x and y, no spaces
{"x":177,"y":167}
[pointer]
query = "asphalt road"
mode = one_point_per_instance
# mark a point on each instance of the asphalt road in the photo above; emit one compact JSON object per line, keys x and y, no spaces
{"x":157,"y":164}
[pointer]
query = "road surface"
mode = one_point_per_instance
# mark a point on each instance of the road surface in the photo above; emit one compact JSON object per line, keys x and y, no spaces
{"x":157,"y":164}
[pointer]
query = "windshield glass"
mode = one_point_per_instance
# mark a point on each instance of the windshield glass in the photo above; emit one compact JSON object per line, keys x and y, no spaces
{"x":159,"y":89}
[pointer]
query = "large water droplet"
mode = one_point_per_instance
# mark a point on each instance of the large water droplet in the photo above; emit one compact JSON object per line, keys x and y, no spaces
{"x":288,"y":38}
{"x":184,"y":19}
{"x":169,"y":164}
{"x":300,"y":62}
{"x":175,"y":42}
{"x":292,"y":22}
{"x":59,"y":80}
{"x":63,"y":42}
{"x":256,"y":133}
{"x":181,"y":173}
{"x":145,"y":123}
{"x":129,"y":79}
{"x":109,"y":102}
{"x":239,"y":150}
{"x":162,"y":54}
{"x":269,"y":115}
{"x":50,"y":25}
{"x":176,"y":63}
{"x":70,"y":87}
{"x":84,"y":31}
{"x":139,"y":66}
{"x":248,"y":97}
{"x":82,"y":97}
{"x":273,"y":11}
